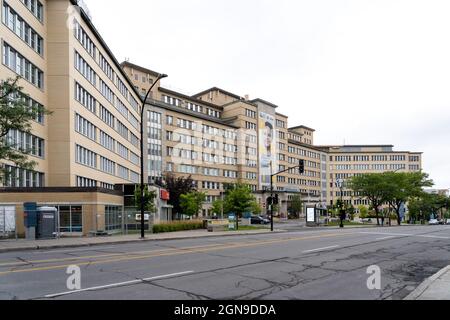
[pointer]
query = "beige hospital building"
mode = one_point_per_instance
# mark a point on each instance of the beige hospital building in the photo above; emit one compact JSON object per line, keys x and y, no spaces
{"x":88,"y":150}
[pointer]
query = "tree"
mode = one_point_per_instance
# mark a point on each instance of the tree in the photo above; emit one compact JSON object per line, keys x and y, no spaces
{"x":256,"y":208}
{"x":423,"y":207}
{"x":191,"y":203}
{"x":402,"y":186}
{"x":177,"y":187}
{"x":149,"y":199}
{"x":296,"y":206}
{"x":363,"y":212}
{"x":15,"y":114}
{"x":217,"y":207}
{"x":371,"y":186}
{"x":239,"y":199}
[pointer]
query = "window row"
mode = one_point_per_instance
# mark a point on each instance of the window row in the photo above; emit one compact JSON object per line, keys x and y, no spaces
{"x":36,"y":8}
{"x":23,"y":67}
{"x":22,"y":178}
{"x":22,"y":29}
{"x":26,"y":143}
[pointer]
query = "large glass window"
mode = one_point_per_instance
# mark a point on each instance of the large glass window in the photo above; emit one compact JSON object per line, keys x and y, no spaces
{"x":70,"y":218}
{"x":113,"y":218}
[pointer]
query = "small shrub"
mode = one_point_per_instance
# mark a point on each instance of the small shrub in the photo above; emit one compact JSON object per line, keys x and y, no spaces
{"x":177,"y":226}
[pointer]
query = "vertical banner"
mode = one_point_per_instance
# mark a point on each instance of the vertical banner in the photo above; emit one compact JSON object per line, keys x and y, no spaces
{"x":267,"y":148}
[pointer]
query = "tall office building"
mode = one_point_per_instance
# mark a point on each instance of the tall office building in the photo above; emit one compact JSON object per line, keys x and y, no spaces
{"x":90,"y":142}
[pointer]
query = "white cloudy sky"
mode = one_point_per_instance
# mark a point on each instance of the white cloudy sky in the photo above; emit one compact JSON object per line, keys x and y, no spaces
{"x":359,"y":71}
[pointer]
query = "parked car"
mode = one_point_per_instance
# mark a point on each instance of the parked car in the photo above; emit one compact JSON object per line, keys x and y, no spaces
{"x":447,"y":221}
{"x":259,"y":220}
{"x":433,"y":222}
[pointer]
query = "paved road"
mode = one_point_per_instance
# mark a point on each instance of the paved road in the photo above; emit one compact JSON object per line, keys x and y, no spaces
{"x":322,"y":264}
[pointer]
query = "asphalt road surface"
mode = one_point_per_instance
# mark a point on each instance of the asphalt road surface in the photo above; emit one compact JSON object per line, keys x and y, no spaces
{"x":319,"y":264}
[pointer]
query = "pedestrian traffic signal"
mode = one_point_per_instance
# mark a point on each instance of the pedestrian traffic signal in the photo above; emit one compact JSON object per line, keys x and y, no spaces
{"x":269,"y":201}
{"x":302,"y":166}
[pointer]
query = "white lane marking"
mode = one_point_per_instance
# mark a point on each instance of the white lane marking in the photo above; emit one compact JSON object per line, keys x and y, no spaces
{"x":389,"y":234}
{"x":121,"y":284}
{"x":433,"y":237}
{"x":385,"y":238}
{"x":320,"y":249}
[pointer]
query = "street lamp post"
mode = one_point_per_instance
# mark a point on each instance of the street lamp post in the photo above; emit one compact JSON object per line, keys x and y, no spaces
{"x":161,"y":76}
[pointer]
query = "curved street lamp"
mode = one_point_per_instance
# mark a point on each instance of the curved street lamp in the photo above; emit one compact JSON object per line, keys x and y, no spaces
{"x":161,"y":76}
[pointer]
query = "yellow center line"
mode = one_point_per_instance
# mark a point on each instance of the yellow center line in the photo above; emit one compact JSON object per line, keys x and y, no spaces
{"x":20,"y":263}
{"x":173,"y":252}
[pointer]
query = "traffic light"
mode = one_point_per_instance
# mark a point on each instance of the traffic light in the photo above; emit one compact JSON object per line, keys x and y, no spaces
{"x":302,"y":166}
{"x":269,"y":201}
{"x":276,"y":200}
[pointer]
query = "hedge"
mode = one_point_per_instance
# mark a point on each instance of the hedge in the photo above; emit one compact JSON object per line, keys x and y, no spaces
{"x":177,"y":226}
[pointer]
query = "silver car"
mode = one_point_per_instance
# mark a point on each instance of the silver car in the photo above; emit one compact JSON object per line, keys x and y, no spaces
{"x":434,"y":222}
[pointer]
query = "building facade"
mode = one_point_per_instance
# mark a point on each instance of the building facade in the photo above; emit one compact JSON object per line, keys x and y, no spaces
{"x":219,"y":137}
{"x":91,"y":139}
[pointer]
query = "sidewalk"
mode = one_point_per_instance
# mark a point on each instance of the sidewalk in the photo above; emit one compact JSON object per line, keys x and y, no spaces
{"x":21,"y":244}
{"x":436,"y":287}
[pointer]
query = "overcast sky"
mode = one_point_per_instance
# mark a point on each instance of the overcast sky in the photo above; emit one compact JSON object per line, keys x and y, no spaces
{"x":359,"y":72}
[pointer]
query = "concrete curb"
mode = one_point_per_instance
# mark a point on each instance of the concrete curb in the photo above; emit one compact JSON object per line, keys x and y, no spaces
{"x":426,"y":284}
{"x":82,"y":245}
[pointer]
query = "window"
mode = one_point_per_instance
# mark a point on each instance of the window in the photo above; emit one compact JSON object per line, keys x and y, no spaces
{"x":107,"y":141}
{"x":169,"y":120}
{"x":122,"y":172}
{"x":120,"y":106}
{"x":134,"y":140}
{"x":154,"y":117}
{"x":134,"y":158}
{"x":122,"y":87}
{"x":21,"y":178}
{"x":107,"y":92}
{"x":107,"y":166}
{"x":86,"y":99}
{"x":107,"y":117}
{"x":85,"y":157}
{"x":122,"y":129}
{"x":122,"y":151}
{"x":16,"y":24}
{"x":250,"y":125}
{"x":113,"y":218}
{"x":71,"y":218}
{"x":21,"y":66}
{"x":36,"y":8}
{"x":85,"y":127}
{"x":86,"y":182}
{"x":84,"y":39}
{"x":106,"y":67}
{"x":85,"y":69}
{"x":250,"y":113}
{"x":26,"y":142}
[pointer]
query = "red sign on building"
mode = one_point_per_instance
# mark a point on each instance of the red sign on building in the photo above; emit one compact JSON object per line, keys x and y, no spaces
{"x":165,"y":195}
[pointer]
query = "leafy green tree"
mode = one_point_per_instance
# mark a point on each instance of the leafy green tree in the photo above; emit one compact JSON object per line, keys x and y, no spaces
{"x":217,"y":207}
{"x":192,"y":202}
{"x":256,"y":208}
{"x":15,"y":114}
{"x":371,"y":186}
{"x":423,"y":207}
{"x":296,"y":206}
{"x":402,"y":186}
{"x":239,"y":199}
{"x":149,"y":199}
{"x":177,"y":187}
{"x":363,"y":212}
